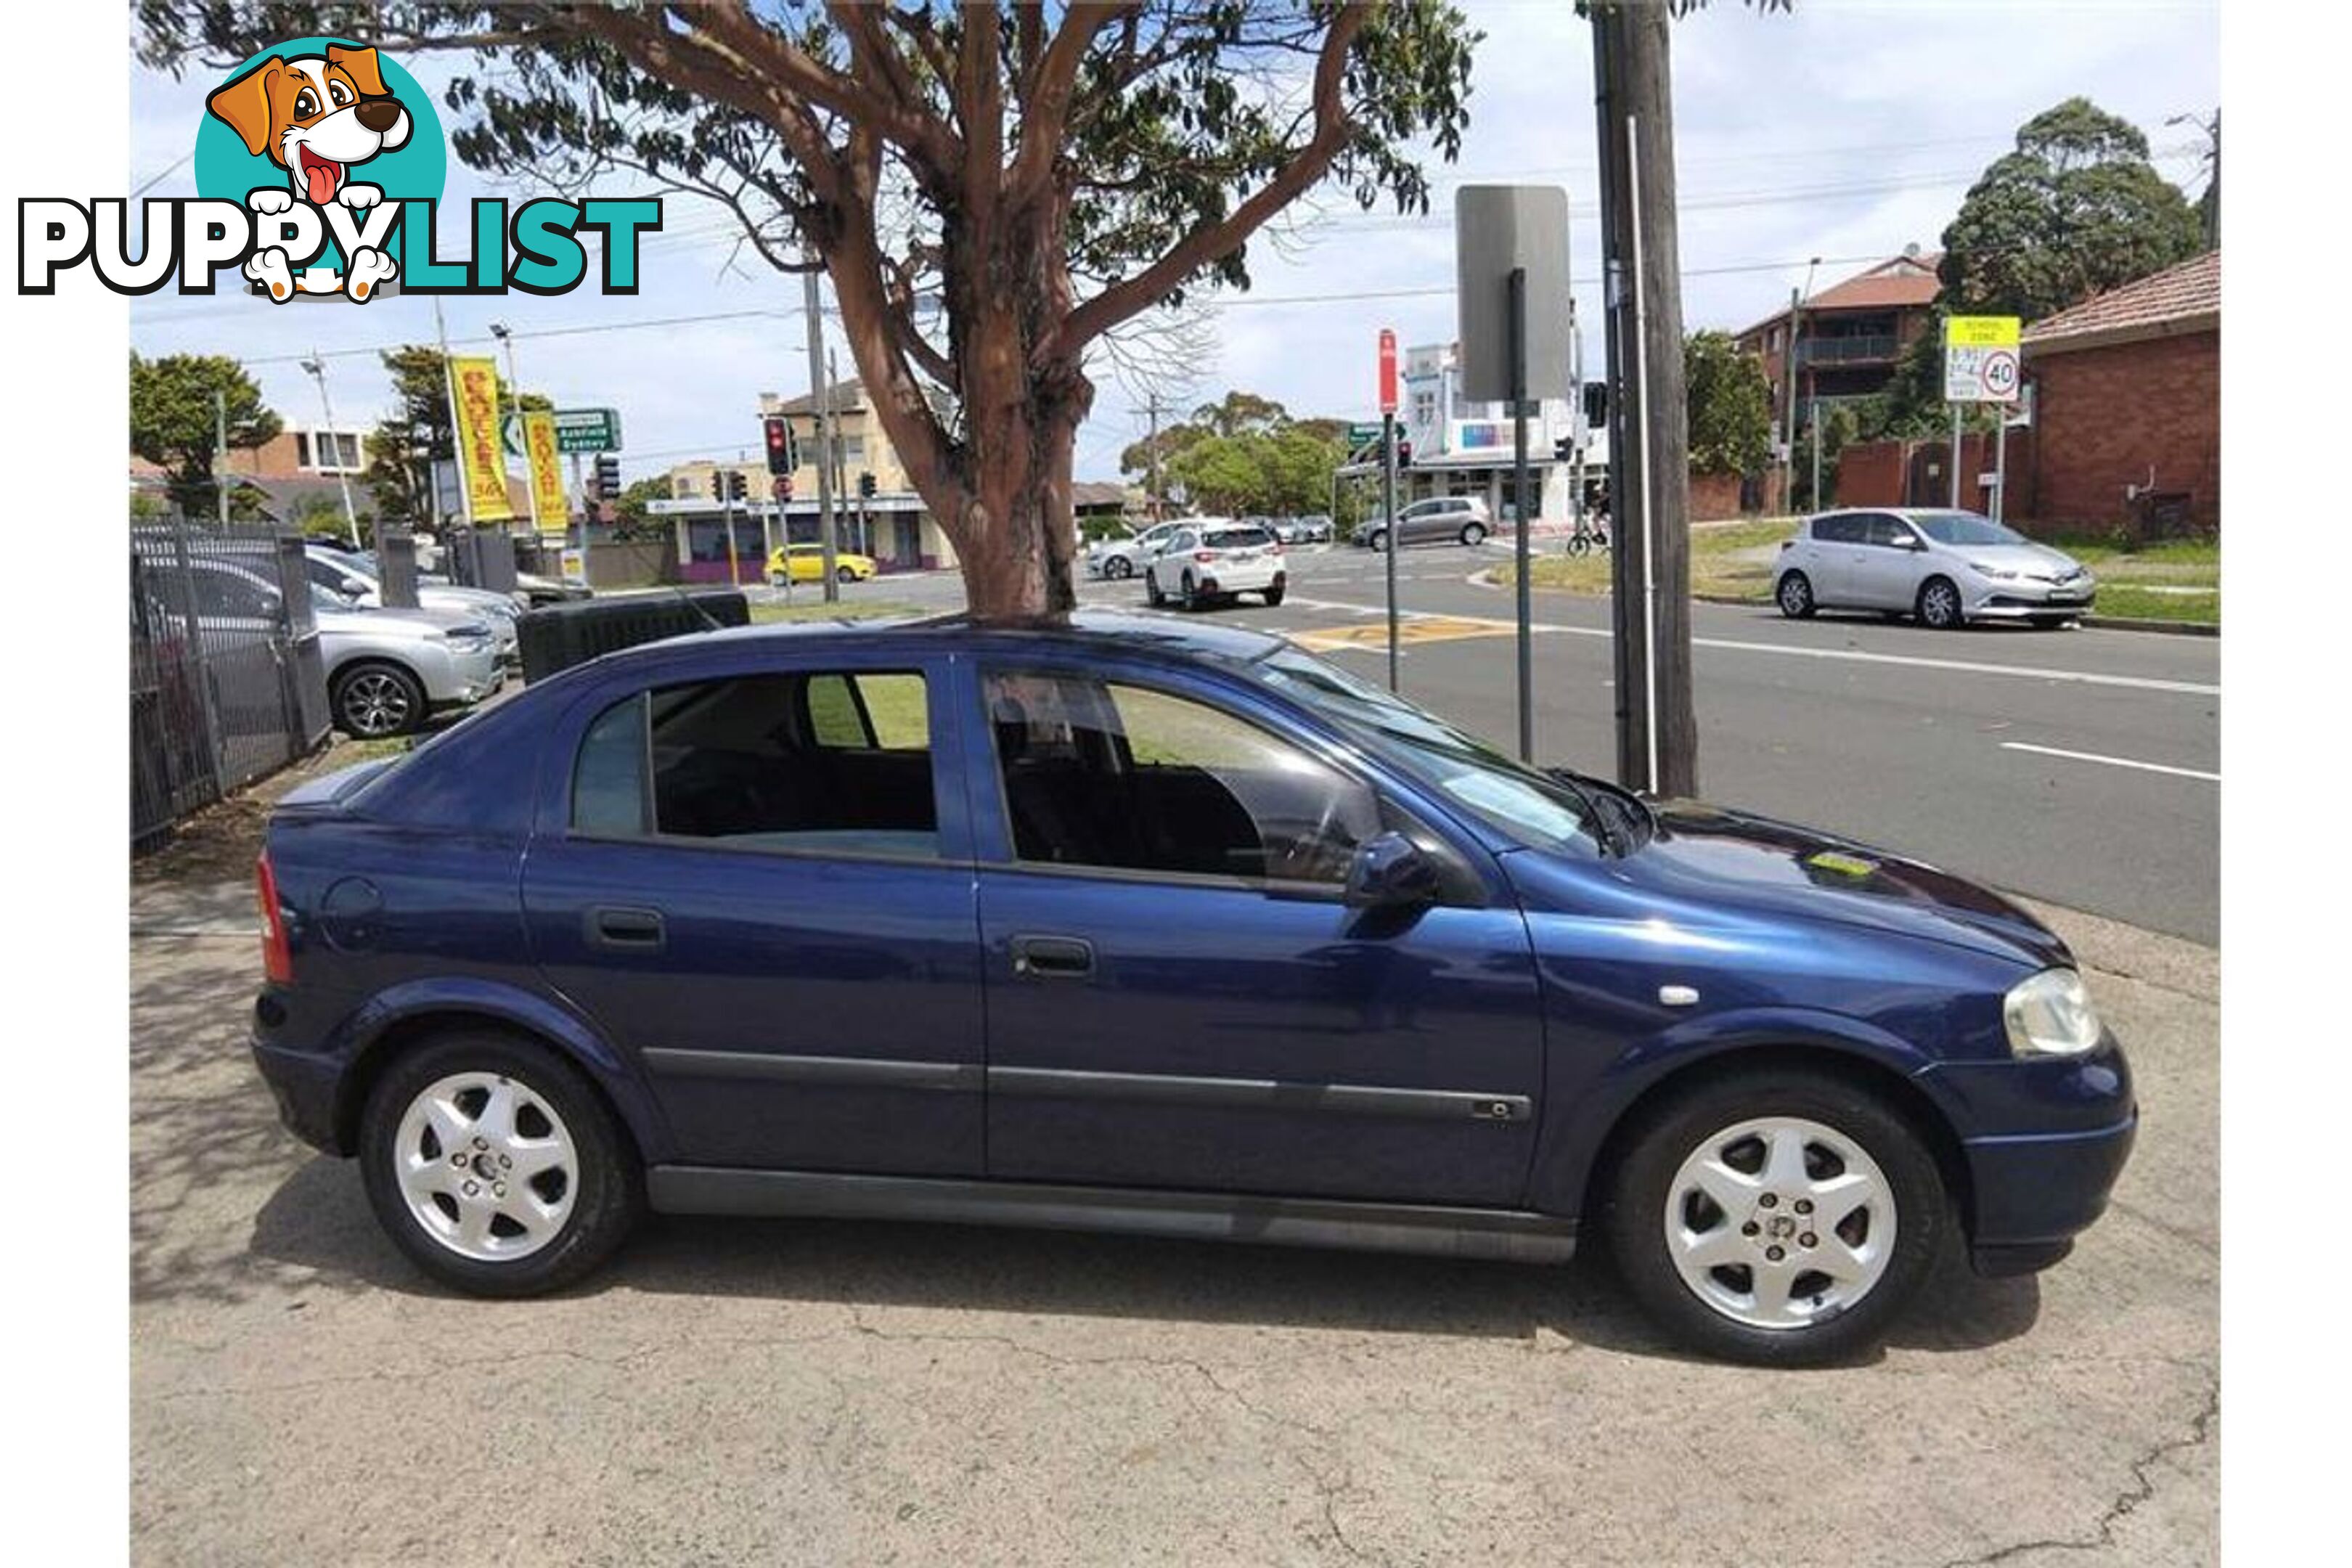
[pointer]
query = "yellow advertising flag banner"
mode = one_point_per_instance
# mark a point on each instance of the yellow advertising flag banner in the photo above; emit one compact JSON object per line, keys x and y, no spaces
{"x":1980,"y":331}
{"x":477,"y":419}
{"x":546,"y":474}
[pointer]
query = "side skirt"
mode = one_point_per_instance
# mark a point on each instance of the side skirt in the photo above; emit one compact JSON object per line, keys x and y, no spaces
{"x":1510,"y":1234}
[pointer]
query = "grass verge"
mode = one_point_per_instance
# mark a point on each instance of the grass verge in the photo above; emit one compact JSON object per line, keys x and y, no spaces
{"x":816,"y":610}
{"x":1731,"y":561}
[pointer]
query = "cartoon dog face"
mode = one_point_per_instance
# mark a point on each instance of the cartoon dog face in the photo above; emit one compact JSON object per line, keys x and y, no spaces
{"x":315,"y":116}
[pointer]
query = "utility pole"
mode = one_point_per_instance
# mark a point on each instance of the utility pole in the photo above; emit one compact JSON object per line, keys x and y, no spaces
{"x":1657,"y":731}
{"x":837,"y":447}
{"x":500,"y":331}
{"x":1151,"y":446}
{"x":1788,"y":399}
{"x":821,"y":395}
{"x":317,"y":368}
{"x":220,"y":458}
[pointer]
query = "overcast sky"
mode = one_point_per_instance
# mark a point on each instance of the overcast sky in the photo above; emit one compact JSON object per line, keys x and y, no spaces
{"x":1845,"y":131}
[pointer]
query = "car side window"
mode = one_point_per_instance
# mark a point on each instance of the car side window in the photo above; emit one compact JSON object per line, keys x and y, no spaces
{"x":1128,"y":778}
{"x":815,"y":762}
{"x":1838,"y":530}
{"x":231,"y":594}
{"x":1889,"y":532}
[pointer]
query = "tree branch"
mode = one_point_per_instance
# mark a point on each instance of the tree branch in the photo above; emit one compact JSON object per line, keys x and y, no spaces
{"x":1154,"y":283}
{"x":1045,"y":96}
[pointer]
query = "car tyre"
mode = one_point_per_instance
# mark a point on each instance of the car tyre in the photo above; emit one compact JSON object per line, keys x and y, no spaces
{"x":1474,"y":533}
{"x":1939,"y":606}
{"x":1379,"y":540}
{"x":1274,"y":594}
{"x":376,"y":699}
{"x":507,"y":1103}
{"x":1189,"y":599}
{"x":1151,"y":594}
{"x":1795,"y":596}
{"x":1118,"y":566}
{"x":844,"y":574}
{"x":1804,"y":1130}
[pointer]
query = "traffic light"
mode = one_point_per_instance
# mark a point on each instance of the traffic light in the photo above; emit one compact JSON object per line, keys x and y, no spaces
{"x":782,"y":457}
{"x":866,"y":485}
{"x":736,"y":489}
{"x":1404,"y":454}
{"x":608,"y":477}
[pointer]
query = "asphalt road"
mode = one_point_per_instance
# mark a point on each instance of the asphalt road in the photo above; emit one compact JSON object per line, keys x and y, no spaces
{"x":2079,"y":766}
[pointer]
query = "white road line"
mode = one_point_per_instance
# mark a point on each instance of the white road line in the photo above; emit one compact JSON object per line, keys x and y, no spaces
{"x":1958,"y":666}
{"x":2111,"y":762}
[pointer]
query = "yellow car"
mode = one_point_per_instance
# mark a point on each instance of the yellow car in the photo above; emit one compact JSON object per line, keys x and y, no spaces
{"x":805,"y":563}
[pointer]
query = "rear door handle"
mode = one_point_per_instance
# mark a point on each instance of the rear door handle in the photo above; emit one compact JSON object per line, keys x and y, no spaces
{"x":624,"y":930}
{"x":1053,"y":957}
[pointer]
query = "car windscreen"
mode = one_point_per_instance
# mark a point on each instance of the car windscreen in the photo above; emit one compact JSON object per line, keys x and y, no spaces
{"x":1236,"y":538}
{"x":1964,"y":527}
{"x":1523,"y":804}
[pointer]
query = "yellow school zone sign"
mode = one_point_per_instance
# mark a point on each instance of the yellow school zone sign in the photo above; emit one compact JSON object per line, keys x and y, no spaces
{"x":1980,"y":331}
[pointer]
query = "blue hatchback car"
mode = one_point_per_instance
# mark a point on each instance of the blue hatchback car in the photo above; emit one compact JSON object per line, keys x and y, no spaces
{"x":1134,"y":924}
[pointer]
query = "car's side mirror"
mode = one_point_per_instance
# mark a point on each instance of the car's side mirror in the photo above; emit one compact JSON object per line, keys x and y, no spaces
{"x":352,"y":588}
{"x":1913,"y":542}
{"x":1391,"y":872}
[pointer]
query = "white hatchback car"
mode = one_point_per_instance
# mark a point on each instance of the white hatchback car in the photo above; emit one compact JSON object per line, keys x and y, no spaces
{"x":1205,"y":559}
{"x":1945,"y":567}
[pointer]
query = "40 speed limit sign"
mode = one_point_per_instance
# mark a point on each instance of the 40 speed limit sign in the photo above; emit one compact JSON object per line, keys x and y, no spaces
{"x":1980,"y":359}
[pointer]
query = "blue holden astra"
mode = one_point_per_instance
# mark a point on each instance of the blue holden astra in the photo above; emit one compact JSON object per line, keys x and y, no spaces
{"x":1131,"y":924}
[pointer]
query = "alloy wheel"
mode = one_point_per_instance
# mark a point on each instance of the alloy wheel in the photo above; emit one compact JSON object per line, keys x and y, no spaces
{"x":1780,"y":1222}
{"x":376,"y":703}
{"x":1939,"y":605}
{"x":485,"y":1167}
{"x":1796,"y":596}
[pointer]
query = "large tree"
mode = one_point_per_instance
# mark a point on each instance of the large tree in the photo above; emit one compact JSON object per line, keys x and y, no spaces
{"x":1730,"y":406}
{"x":175,"y":424}
{"x":990,"y":192}
{"x":2075,"y":209}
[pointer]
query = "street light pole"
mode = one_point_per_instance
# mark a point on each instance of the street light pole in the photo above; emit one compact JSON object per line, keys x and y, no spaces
{"x":821,"y":400}
{"x":505,"y":335}
{"x":317,"y":368}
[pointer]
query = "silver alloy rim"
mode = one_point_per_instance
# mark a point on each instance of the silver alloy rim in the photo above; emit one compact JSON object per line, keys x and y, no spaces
{"x":1793,"y":596}
{"x":1779,"y":1223}
{"x":488,"y":1168}
{"x":376,"y":702}
{"x":1120,"y":567}
{"x":1941,"y":604}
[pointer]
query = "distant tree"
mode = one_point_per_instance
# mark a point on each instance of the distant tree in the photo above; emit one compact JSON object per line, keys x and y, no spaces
{"x":417,"y":433}
{"x":1241,"y":413}
{"x":2209,"y":205}
{"x":1730,"y":406}
{"x":320,"y":516}
{"x":173,"y":420}
{"x":633,"y":518}
{"x":2076,"y":209}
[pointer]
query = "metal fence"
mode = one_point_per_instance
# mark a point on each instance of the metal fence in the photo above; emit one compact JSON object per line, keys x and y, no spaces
{"x":228,"y":683}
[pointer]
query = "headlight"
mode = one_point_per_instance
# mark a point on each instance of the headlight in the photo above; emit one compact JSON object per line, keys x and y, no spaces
{"x":1996,"y":573}
{"x":2050,"y":1015}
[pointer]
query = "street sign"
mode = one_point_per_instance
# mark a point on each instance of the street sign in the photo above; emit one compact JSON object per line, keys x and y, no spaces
{"x":1387,"y":371}
{"x":1980,"y":359}
{"x":576,"y":430}
{"x":1362,"y":434}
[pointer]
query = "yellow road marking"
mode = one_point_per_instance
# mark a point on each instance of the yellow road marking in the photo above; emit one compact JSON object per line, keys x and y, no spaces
{"x":1418,"y":628}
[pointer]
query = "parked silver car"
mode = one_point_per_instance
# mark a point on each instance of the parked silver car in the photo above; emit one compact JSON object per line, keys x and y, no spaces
{"x":1945,"y":567}
{"x":387,"y":669}
{"x":1124,"y":555}
{"x":355,"y":583}
{"x":1440,"y":520}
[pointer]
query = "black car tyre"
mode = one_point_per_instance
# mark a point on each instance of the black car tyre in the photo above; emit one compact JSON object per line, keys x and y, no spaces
{"x":1779,"y":1216}
{"x":1274,"y":594}
{"x":1118,"y":566}
{"x":844,"y":574}
{"x":1939,"y":606}
{"x":1151,"y":594}
{"x":1189,"y":597}
{"x":1379,"y":539}
{"x":495,"y":1167}
{"x":374,"y":699}
{"x":1795,"y":596}
{"x":1474,"y":533}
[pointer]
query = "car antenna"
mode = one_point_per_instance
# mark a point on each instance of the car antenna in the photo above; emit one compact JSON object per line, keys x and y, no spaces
{"x":710,"y":622}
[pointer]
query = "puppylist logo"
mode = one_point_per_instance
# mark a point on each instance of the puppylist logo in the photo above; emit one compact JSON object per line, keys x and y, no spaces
{"x":320,"y":166}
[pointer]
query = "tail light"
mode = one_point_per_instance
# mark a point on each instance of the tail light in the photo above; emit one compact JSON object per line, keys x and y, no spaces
{"x":1205,"y":556}
{"x":277,"y":957}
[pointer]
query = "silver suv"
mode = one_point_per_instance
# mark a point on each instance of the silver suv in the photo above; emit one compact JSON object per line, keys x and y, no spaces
{"x":1440,"y":520}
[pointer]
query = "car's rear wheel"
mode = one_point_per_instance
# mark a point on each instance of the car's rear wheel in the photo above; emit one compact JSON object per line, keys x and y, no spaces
{"x":1474,"y":533}
{"x":376,"y":700}
{"x":1795,"y":595}
{"x":1188,"y":598}
{"x":1939,"y":605}
{"x":495,"y":1167}
{"x":1118,"y":566}
{"x":1779,"y":1216}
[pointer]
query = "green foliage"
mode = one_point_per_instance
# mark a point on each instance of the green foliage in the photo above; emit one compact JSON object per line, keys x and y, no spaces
{"x":418,"y":432}
{"x":320,"y":516}
{"x":1245,"y":454}
{"x":632,"y":518}
{"x":173,"y":420}
{"x":2076,"y":209}
{"x":1730,"y":406}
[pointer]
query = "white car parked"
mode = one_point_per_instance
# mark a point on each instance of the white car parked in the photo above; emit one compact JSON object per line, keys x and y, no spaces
{"x":1207,"y":559}
{"x":1125,"y":557}
{"x":1947,"y":568}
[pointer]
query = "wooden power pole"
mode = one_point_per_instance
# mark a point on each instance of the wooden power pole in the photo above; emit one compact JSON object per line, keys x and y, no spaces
{"x":1649,"y":444}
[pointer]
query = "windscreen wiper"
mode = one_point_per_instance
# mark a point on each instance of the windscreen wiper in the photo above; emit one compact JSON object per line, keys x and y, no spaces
{"x":1602,"y":831}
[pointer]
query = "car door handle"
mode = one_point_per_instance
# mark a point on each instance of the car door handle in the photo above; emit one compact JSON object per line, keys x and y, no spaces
{"x":1053,"y":957}
{"x":626,"y":930}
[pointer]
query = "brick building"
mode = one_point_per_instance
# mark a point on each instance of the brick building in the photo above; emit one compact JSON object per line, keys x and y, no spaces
{"x":2128,"y":406}
{"x":1849,"y":338}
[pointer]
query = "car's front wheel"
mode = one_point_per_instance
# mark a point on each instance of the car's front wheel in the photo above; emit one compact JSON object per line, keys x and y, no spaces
{"x":374,"y":701}
{"x":1118,"y":566}
{"x":495,"y":1167}
{"x":1151,"y":594}
{"x":844,"y":574}
{"x":1939,"y":605}
{"x":1474,"y":533}
{"x":1778,"y":1216}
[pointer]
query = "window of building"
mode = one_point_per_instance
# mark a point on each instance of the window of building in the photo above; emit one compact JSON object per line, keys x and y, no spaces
{"x":830,"y":761}
{"x":705,"y":539}
{"x":1125,"y":778}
